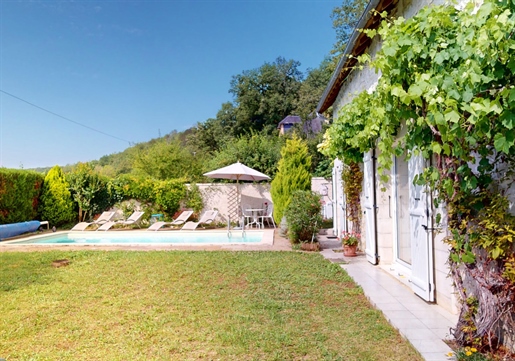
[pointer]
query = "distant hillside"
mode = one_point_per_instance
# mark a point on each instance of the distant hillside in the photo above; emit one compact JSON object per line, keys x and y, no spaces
{"x":243,"y":130}
{"x":121,"y":162}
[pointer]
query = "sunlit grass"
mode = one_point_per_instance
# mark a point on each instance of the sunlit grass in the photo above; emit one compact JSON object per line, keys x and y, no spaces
{"x":188,"y":306}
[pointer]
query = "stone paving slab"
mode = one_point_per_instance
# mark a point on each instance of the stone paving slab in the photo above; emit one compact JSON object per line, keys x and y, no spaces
{"x":423,"y":324}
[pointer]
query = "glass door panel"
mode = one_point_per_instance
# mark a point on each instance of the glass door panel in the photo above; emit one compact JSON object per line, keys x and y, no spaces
{"x":402,"y":206}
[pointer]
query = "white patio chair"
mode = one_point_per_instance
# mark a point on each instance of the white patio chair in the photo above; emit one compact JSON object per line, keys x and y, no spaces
{"x":269,"y":215}
{"x":207,"y":218}
{"x":247,"y":215}
{"x":133,"y":219}
{"x":104,"y":217}
{"x":181,"y":219}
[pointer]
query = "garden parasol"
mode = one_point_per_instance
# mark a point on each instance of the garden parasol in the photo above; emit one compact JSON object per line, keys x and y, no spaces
{"x":239,"y":172}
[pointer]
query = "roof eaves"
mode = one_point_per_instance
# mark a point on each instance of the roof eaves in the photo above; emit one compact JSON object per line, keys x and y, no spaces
{"x":365,"y":17}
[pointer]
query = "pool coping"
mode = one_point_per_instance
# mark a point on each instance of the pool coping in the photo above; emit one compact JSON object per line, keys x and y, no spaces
{"x":9,"y":245}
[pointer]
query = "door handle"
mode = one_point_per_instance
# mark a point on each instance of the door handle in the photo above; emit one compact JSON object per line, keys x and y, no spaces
{"x":428,"y":229}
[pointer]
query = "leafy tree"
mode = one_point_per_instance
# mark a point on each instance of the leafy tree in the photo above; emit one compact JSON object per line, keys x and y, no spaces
{"x":345,"y":19}
{"x":266,"y":95}
{"x":258,"y":151}
{"x":321,"y":163}
{"x":293,"y":174}
{"x":115,"y":164}
{"x":89,"y":190}
{"x":167,"y":159}
{"x":213,"y":134}
{"x":168,"y":195}
{"x":56,"y":204}
{"x":311,"y":90}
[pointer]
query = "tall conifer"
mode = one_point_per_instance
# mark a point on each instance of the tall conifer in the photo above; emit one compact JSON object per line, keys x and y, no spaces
{"x":56,"y":205}
{"x":293,"y":174}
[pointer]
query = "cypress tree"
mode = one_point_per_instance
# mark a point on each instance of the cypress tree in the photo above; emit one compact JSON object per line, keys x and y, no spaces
{"x":56,"y":204}
{"x":293,"y":174}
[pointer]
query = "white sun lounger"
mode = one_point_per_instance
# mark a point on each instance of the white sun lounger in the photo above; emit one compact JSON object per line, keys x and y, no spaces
{"x":207,"y":218}
{"x":133,"y":219}
{"x":181,"y":219}
{"x":104,"y":217}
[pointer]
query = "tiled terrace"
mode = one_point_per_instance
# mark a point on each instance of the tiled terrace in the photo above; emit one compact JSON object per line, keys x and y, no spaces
{"x":423,"y":324}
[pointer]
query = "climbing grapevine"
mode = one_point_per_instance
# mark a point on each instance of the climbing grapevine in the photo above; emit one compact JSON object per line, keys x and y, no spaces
{"x":447,"y":91}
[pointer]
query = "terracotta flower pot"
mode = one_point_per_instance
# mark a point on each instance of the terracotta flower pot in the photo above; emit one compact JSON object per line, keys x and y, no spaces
{"x":349,"y":251}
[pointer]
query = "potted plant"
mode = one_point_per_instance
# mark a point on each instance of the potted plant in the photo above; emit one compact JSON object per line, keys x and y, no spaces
{"x":350,"y":242}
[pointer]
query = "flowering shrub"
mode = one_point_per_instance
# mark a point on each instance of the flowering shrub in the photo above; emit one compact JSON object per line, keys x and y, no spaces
{"x":303,"y":216}
{"x":350,"y":238}
{"x":194,"y":198}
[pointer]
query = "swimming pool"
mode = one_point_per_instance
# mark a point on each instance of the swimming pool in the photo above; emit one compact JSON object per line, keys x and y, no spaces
{"x":146,"y":238}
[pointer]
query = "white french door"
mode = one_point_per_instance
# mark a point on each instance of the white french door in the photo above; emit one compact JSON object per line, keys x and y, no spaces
{"x":420,"y":233}
{"x":339,"y":206}
{"x":401,"y":214}
{"x":369,"y":208}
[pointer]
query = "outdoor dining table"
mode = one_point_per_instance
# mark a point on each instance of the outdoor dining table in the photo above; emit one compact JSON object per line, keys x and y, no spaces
{"x":255,"y":217}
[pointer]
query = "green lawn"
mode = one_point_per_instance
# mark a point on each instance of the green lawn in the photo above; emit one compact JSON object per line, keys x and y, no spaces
{"x":187,"y":306}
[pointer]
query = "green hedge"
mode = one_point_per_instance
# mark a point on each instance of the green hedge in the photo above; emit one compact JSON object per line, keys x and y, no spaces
{"x":165,"y":195}
{"x":19,"y":195}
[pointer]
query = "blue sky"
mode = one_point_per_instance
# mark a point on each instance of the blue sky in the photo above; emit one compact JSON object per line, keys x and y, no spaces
{"x":135,"y":69}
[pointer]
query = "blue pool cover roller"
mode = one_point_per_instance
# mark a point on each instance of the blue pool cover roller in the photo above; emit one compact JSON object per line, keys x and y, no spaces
{"x":14,"y":229}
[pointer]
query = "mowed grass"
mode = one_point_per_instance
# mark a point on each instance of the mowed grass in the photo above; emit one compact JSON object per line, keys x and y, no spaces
{"x":187,"y":306}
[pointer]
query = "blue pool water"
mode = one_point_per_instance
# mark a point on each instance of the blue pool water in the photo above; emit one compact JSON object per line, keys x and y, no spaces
{"x":144,"y":237}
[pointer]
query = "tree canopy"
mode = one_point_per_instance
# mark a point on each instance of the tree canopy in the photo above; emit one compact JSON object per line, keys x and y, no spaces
{"x":264,"y":96}
{"x":345,"y":19}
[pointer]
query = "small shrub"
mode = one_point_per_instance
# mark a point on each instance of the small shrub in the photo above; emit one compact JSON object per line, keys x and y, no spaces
{"x":303,"y":216}
{"x":169,"y":194}
{"x":128,"y":207}
{"x":327,"y":223}
{"x":194,"y":198}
